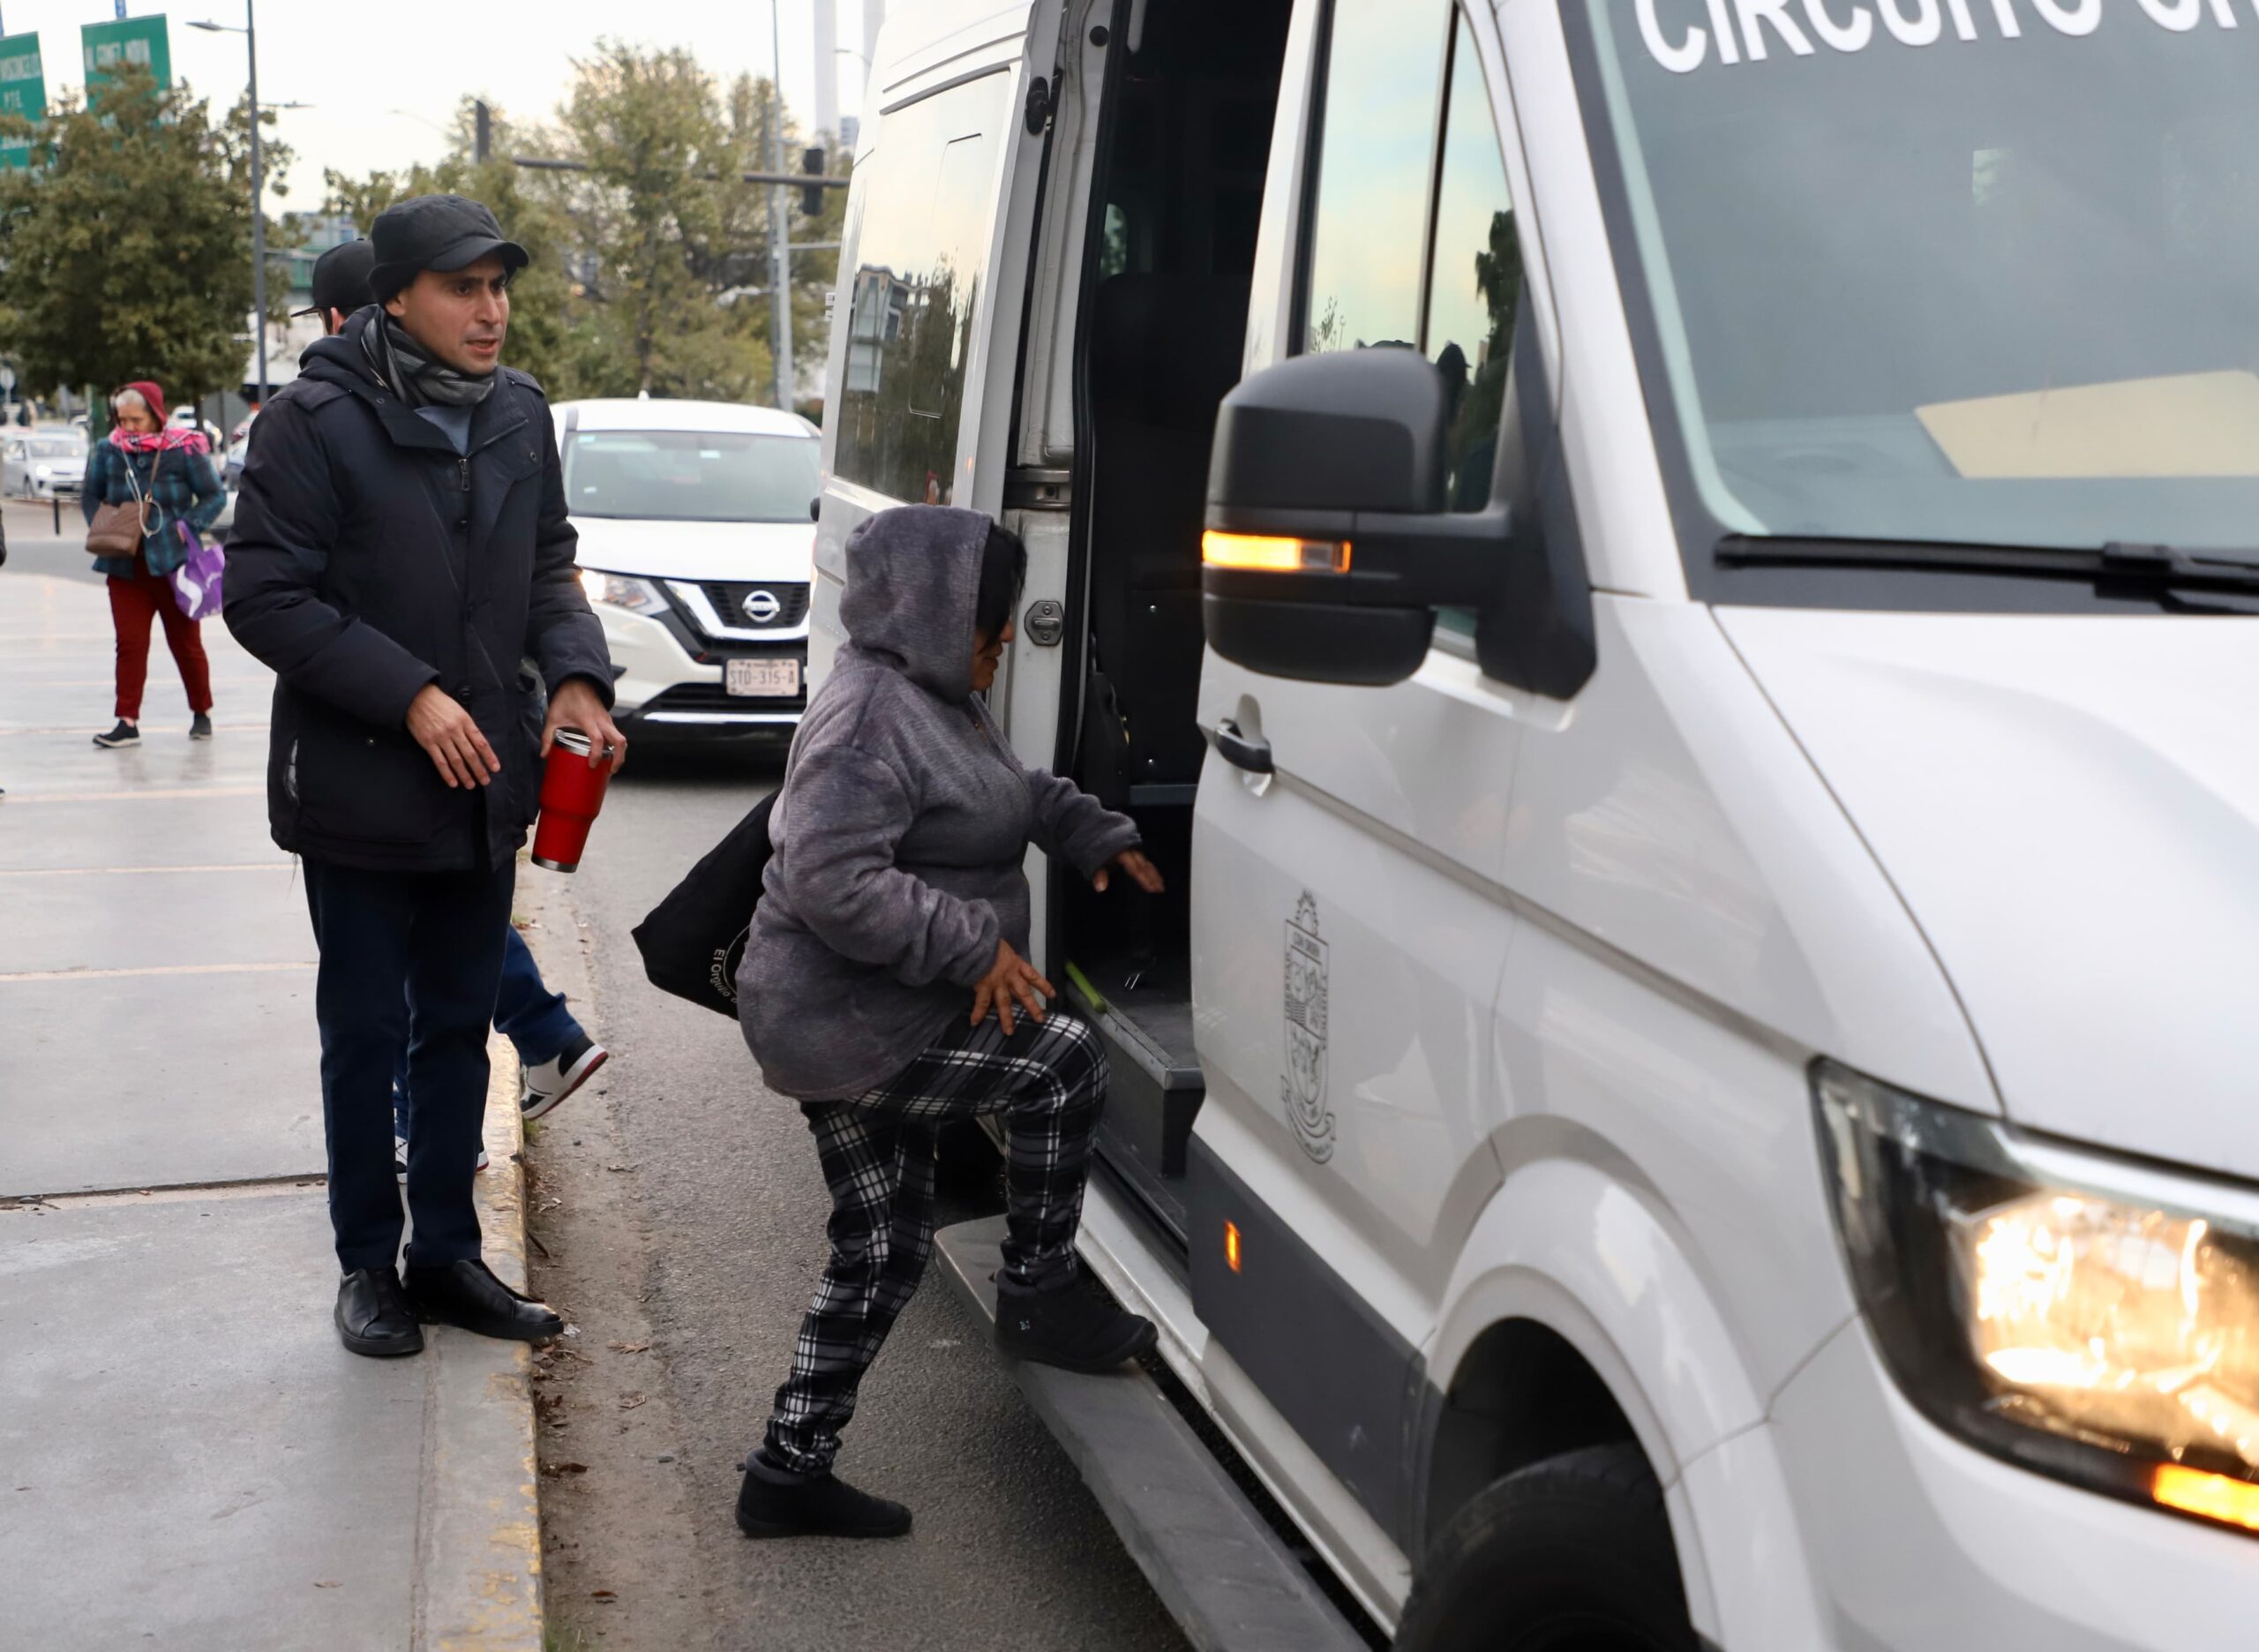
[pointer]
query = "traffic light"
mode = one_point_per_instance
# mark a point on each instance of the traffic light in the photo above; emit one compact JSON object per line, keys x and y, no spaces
{"x":812,"y":196}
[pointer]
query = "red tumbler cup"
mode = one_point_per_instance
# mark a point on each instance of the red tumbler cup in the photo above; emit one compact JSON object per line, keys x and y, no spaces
{"x":571,"y":794}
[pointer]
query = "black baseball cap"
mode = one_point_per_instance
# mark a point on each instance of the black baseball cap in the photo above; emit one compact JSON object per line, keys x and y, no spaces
{"x":435,"y":232}
{"x":342,"y":279}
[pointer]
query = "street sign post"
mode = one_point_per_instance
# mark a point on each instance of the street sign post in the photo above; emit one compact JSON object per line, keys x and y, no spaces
{"x":23,"y":91}
{"x":141,"y":41}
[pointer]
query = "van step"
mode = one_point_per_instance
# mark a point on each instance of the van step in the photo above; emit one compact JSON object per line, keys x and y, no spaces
{"x":1225,"y":1575}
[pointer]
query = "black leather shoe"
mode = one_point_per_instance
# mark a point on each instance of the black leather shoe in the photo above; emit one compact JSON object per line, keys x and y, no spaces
{"x":373,"y":1317}
{"x":1075,"y":1328}
{"x":814,"y":1505}
{"x":467,"y":1294}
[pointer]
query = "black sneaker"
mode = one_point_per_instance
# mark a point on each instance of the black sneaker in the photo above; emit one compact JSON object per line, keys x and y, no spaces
{"x":373,"y":1317}
{"x":773,"y":1503}
{"x":123,"y":734}
{"x":200,"y":726}
{"x":1075,"y":1329}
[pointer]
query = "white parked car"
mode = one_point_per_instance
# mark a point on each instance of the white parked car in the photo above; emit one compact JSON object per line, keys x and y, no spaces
{"x":47,"y":462}
{"x":1692,"y":1086}
{"x":185,"y":418}
{"x":695,"y":546}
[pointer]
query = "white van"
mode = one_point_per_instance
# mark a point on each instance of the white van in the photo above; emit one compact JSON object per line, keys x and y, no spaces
{"x":1692,"y":1083}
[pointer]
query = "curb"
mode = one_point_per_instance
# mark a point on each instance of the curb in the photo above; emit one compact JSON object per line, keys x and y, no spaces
{"x":478,"y":1532}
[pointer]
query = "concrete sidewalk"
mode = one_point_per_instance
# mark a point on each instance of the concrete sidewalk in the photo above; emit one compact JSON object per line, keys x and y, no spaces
{"x":187,"y":1456}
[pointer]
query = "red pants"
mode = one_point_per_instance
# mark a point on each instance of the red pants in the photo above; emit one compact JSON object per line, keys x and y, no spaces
{"x":132,"y":603}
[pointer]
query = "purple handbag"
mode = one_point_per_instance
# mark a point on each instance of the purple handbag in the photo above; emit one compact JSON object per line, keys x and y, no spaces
{"x":196,"y":582}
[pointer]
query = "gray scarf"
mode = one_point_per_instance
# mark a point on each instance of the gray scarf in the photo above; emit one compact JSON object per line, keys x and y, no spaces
{"x":411,"y":373}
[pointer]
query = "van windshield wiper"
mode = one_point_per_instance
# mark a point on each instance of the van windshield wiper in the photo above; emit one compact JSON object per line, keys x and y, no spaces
{"x":2225,"y":580}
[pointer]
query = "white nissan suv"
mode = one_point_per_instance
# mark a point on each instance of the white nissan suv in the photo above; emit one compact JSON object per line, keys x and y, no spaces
{"x":695,"y":546}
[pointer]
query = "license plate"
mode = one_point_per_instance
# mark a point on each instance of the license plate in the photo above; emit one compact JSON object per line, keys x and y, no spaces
{"x":764,"y":679}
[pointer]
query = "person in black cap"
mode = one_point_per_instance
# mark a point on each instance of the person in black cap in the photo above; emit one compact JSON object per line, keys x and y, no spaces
{"x":402,"y":545}
{"x":555,"y":1055}
{"x":341,"y":285}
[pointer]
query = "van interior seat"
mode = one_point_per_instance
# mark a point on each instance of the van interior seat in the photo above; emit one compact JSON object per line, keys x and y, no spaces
{"x":1164,"y":350}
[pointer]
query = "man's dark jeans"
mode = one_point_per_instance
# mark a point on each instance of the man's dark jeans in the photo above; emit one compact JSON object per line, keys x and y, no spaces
{"x":413,"y":960}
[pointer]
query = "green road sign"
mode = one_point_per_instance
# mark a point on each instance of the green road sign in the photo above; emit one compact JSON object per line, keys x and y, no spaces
{"x":23,"y":91}
{"x":141,"y":41}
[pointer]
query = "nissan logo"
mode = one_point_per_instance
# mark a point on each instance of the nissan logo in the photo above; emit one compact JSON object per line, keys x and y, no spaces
{"x":761,"y":606}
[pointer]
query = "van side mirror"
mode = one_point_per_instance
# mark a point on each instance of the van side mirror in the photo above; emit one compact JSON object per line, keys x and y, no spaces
{"x":1329,"y":546}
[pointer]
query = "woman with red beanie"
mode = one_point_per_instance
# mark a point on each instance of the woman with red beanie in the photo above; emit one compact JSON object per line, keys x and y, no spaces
{"x":171,"y":468}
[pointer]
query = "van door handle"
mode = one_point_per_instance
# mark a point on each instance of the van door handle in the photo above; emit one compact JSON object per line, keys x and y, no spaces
{"x":1254,"y":755}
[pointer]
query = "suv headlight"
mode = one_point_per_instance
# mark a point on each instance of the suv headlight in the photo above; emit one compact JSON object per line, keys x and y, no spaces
{"x":2091,"y":1317}
{"x":622,"y":591}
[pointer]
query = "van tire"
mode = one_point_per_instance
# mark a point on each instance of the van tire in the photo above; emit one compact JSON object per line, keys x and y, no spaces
{"x":1572,"y":1554}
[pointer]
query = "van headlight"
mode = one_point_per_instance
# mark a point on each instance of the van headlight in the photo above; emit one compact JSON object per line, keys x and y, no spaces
{"x":2088,"y":1317}
{"x":622,"y":591}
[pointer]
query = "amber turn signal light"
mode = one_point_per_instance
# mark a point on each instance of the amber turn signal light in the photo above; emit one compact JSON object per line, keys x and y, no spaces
{"x":2214,"y":1496}
{"x":1231,"y":1246}
{"x":1273,"y":555}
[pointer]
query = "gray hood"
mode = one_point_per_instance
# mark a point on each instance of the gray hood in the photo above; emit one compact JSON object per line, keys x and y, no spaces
{"x":914,"y":579}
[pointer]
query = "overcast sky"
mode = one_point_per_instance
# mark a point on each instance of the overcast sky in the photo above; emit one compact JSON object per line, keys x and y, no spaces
{"x":385,"y":79}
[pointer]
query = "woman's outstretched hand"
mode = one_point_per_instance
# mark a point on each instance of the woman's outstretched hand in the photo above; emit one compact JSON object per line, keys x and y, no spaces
{"x":1136,"y":868}
{"x":1010,"y":978}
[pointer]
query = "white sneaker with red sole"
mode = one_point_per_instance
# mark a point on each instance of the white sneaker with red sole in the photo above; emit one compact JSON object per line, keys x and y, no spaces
{"x":540,"y":1088}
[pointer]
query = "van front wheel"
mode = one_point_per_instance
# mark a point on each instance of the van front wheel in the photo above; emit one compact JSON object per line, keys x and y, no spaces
{"x":1572,"y":1554}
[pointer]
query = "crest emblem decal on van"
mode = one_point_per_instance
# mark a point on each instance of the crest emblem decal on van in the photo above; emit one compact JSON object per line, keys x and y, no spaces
{"x":1302,"y":1088}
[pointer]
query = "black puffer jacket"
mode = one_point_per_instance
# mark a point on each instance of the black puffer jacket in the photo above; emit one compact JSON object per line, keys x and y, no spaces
{"x":367,"y":561}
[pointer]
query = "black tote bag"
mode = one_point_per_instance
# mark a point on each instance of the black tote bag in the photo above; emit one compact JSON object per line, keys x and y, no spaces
{"x":693,"y":940}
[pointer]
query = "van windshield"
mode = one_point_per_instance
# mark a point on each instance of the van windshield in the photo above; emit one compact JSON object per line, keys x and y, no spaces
{"x":1989,"y":276}
{"x":691,"y":476}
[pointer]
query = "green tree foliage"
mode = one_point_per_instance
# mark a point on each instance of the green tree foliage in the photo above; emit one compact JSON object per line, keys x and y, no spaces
{"x":546,"y":308}
{"x":126,"y":242}
{"x":650,"y":266}
{"x":672,"y":228}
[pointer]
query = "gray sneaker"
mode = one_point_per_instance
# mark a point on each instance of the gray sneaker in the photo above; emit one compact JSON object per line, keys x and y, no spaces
{"x":200,"y":726}
{"x":123,"y":734}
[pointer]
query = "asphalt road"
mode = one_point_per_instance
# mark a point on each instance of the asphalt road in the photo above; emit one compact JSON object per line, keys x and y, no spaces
{"x":1010,"y":1549}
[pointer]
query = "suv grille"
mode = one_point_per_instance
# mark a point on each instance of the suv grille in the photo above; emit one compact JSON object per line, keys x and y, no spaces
{"x":730,"y":597}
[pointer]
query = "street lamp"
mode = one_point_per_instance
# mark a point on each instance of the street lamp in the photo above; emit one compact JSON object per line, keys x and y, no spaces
{"x":780,"y":229}
{"x":250,"y":31}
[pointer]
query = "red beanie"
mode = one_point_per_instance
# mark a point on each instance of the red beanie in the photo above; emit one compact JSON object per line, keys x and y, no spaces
{"x":150,"y":392}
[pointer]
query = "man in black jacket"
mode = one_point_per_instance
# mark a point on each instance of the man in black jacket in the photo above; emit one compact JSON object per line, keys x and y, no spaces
{"x":403,"y":559}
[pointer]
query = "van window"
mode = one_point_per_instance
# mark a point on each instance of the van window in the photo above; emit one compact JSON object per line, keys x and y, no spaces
{"x":1997,"y":290}
{"x":1473,"y":275}
{"x":1384,"y":72}
{"x":923,"y":213}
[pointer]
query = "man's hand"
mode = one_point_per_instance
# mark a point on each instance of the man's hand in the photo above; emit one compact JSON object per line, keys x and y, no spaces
{"x":1136,"y":868}
{"x":1010,"y":977}
{"x":447,"y":733}
{"x":576,"y":706}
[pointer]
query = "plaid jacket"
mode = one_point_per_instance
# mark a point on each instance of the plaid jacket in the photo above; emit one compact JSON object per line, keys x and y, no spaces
{"x":186,"y":487}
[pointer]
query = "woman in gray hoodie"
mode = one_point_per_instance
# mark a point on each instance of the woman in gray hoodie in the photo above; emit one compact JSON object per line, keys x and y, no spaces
{"x":886,"y":989}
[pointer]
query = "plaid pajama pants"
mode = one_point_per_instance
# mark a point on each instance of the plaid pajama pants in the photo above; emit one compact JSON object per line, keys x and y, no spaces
{"x":1048,"y":1079}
